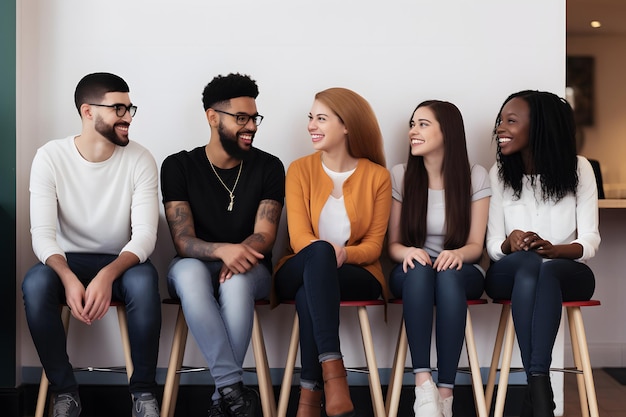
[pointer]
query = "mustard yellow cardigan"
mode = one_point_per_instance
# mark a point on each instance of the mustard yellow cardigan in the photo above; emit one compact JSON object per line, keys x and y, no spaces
{"x":367,"y":197}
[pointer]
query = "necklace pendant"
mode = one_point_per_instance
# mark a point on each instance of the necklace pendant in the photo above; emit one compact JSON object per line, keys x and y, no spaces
{"x":230,"y":205}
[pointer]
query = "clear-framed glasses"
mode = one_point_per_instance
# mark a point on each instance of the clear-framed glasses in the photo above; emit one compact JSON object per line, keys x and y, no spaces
{"x":242,"y":118}
{"x":120,"y":109}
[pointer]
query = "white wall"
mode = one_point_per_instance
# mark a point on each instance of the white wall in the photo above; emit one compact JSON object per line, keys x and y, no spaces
{"x":395,"y":53}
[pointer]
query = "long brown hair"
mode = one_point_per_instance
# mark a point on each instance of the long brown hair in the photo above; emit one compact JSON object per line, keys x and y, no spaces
{"x":456,"y":179}
{"x":365,"y":139}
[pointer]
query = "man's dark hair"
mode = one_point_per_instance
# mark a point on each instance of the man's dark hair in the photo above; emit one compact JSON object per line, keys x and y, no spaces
{"x":92,"y":88}
{"x":223,"y":88}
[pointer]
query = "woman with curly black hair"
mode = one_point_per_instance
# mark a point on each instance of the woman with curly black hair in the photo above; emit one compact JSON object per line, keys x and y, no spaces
{"x":543,"y":227}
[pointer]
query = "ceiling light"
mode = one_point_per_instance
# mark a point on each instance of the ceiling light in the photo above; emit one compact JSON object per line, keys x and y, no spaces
{"x":595,"y":24}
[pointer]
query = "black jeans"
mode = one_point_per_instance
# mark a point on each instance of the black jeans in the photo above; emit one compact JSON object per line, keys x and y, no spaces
{"x":537,"y":288}
{"x":312,"y":278}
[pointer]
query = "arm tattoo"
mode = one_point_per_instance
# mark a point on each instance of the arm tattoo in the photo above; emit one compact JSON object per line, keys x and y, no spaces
{"x":180,"y":222}
{"x":255,"y":238}
{"x":183,"y":233}
{"x":270,"y":210}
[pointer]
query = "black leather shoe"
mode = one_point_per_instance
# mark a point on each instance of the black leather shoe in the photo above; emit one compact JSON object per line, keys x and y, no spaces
{"x":527,"y":404}
{"x":240,"y":401}
{"x":216,"y":409}
{"x":542,"y":396}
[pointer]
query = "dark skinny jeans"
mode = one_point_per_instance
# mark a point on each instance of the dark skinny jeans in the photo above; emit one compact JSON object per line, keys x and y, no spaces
{"x":312,"y":278}
{"x":537,"y":288}
{"x":138,"y":288}
{"x":421,"y":289}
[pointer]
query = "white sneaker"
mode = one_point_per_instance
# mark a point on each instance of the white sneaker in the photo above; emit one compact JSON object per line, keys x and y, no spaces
{"x":427,"y":401}
{"x":446,"y":406}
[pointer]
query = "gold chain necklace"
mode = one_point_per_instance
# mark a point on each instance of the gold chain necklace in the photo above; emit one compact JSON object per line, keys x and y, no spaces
{"x":230,"y":192}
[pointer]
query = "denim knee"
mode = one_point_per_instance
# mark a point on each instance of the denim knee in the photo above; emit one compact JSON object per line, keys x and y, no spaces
{"x":188,"y":276}
{"x":139,"y":282}
{"x":41,"y":287}
{"x":419,"y":281}
{"x":253,"y":285}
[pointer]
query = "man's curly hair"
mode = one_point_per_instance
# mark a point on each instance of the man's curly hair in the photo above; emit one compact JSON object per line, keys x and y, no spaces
{"x":223,"y":88}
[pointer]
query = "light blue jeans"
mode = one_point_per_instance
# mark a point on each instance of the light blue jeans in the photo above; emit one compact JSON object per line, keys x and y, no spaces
{"x":219,"y":316}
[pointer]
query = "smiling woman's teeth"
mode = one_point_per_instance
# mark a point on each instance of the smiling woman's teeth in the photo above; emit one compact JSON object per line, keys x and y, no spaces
{"x":504,"y":140}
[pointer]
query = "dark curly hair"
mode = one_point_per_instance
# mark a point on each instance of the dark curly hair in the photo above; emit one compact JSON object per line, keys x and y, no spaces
{"x":552,"y":146}
{"x":223,"y":88}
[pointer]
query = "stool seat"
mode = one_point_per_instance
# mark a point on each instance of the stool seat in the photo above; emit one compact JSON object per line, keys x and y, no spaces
{"x":397,"y":371}
{"x":378,"y":404}
{"x":476,"y":302}
{"x":175,"y":367}
{"x":505,"y":339}
{"x":65,"y":318}
{"x":583,"y":303}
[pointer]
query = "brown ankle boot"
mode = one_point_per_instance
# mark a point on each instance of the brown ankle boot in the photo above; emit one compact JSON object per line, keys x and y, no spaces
{"x":310,"y":404}
{"x":336,"y":391}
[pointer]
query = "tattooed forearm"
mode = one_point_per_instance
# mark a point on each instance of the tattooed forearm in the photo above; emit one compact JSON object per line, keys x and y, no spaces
{"x":269,"y":210}
{"x":196,"y":248}
{"x":256,"y":238}
{"x":180,"y":221}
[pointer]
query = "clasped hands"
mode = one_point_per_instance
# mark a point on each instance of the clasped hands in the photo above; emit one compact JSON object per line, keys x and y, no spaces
{"x":530,"y":241}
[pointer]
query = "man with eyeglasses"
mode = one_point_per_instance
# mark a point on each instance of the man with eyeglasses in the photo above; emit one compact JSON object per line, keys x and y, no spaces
{"x":223,"y":203}
{"x":94,"y":212}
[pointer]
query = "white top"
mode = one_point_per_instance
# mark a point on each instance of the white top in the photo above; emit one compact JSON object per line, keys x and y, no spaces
{"x":436,"y":215}
{"x":104,"y":207}
{"x":334,"y":224}
{"x":574,"y":219}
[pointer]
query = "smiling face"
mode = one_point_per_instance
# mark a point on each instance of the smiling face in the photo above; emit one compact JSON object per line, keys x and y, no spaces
{"x":513,"y":130}
{"x":326,"y":128}
{"x":425,"y":136}
{"x":108,"y":124}
{"x":237,"y":139}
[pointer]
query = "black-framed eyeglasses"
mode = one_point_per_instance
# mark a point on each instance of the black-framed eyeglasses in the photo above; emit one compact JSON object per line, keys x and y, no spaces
{"x":120,"y":109}
{"x":242,"y":118}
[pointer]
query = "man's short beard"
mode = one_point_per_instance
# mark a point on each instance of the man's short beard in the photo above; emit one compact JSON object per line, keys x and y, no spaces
{"x":231,"y":144}
{"x":108,"y":131}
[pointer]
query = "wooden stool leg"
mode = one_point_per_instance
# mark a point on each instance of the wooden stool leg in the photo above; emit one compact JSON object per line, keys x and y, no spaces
{"x":495,"y":358}
{"x":506,"y":367}
{"x":580,"y":379}
{"x":121,"y":318}
{"x":397,"y":373}
{"x":368,"y":345}
{"x":575,"y":315}
{"x":172,"y":380}
{"x":263,"y":370}
{"x":44,"y":383}
{"x":285,"y":388}
{"x":472,"y":356}
{"x":42,"y":396}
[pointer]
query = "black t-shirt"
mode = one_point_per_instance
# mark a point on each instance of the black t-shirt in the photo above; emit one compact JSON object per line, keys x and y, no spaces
{"x":187,"y":176}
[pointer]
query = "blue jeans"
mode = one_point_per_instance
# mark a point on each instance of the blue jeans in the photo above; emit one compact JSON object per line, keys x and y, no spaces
{"x":311,"y":278}
{"x":536,"y":289}
{"x":137,"y":288}
{"x":421,"y":289}
{"x":219,"y":315}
